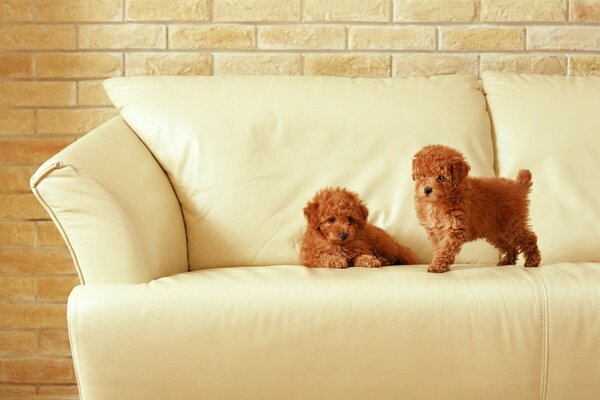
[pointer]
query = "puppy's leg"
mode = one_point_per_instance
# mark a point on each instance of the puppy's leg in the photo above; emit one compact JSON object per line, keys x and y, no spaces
{"x":331,"y":261}
{"x":508,"y":251}
{"x":367,"y":260}
{"x":446,"y":251}
{"x":509,"y":256}
{"x":528,"y":246}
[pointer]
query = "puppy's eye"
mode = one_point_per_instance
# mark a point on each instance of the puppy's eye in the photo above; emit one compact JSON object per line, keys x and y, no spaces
{"x":351,"y":221}
{"x":423,"y":176}
{"x":331,"y":219}
{"x":440,"y":178}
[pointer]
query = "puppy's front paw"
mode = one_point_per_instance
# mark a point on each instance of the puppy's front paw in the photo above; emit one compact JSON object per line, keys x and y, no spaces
{"x":367,"y":261}
{"x":438,"y":268}
{"x":334,"y":262}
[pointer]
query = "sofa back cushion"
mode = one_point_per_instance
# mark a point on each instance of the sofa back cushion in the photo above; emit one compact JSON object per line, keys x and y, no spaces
{"x":245,"y":154}
{"x":551,"y":126}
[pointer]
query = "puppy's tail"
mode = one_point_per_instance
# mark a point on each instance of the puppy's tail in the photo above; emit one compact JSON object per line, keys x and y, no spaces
{"x":524,"y":179}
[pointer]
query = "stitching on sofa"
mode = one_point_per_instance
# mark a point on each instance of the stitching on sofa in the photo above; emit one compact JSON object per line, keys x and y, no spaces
{"x":545,"y":335}
{"x":54,"y":218}
{"x":74,"y":349}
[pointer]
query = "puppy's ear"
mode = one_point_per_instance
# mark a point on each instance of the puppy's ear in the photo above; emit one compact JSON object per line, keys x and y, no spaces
{"x":459,"y":169}
{"x":311,"y":212}
{"x":364,"y":211}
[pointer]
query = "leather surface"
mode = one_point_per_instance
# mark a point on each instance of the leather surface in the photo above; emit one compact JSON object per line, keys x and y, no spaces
{"x":114,"y":207}
{"x":289,"y":332}
{"x":551,"y":125}
{"x":245,"y":154}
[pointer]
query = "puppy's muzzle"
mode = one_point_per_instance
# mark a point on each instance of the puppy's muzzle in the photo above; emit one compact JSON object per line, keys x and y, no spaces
{"x":343,"y":236}
{"x":427,"y":190}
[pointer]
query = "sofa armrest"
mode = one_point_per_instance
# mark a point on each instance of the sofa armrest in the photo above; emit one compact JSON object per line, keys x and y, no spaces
{"x":114,"y":207}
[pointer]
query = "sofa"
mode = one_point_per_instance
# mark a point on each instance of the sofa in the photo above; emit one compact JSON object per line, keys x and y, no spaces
{"x":184,"y":218}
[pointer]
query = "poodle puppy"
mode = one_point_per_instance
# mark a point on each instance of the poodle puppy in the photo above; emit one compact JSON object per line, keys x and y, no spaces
{"x":338,"y":235}
{"x":455,"y":209}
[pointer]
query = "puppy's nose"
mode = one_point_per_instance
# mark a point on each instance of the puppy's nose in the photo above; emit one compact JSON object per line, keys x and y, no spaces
{"x":343,"y":236}
{"x":428,"y":190}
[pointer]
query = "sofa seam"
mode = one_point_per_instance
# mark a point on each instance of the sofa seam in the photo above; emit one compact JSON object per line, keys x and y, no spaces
{"x":74,"y":351}
{"x":63,"y":233}
{"x":545,"y":337}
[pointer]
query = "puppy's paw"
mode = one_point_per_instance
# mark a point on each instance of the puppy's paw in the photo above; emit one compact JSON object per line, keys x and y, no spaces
{"x":334,"y":262}
{"x":438,"y":268}
{"x":367,"y":261}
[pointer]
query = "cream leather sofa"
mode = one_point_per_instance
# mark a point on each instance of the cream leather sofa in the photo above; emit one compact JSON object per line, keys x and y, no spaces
{"x":184,"y":217}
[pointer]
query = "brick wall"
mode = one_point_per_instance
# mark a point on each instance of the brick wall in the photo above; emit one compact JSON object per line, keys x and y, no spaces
{"x":54,"y":54}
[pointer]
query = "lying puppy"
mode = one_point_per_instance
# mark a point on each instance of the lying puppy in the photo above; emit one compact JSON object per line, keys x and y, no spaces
{"x":338,"y":235}
{"x":455,"y":209}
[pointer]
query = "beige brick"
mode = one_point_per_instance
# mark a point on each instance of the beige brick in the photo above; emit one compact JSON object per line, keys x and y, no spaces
{"x":168,"y":64}
{"x":408,"y":65}
{"x":523,"y":10}
{"x":128,"y":36}
{"x":15,"y":178}
{"x":256,"y":10}
{"x":16,"y":11}
{"x":79,"y":10}
{"x":368,"y":65}
{"x":16,"y":343}
{"x":257,"y":64}
{"x":482,"y":38}
{"x":36,"y":261}
{"x":58,"y":392}
{"x":15,"y":65}
{"x":585,"y":64}
{"x":435,"y":10}
{"x":54,"y":342}
{"x":301,"y":37}
{"x":16,"y":288}
{"x":14,"y":392}
{"x":16,"y":233}
{"x":37,"y":37}
{"x":168,"y":10}
{"x":347,"y":10}
{"x":31,"y":93}
{"x":78,"y":65}
{"x":72,"y":121}
{"x":392,"y":38}
{"x":48,"y":235}
{"x":524,"y":63}
{"x":92,"y":93}
{"x":34,"y":316}
{"x":55,"y":288}
{"x":34,"y":151}
{"x":16,"y":122}
{"x":563,"y":38}
{"x":37,"y":370}
{"x":585,"y":10}
{"x":21,"y":206}
{"x":211,"y":37}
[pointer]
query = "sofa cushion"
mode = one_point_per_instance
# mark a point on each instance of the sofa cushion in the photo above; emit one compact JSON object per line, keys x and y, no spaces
{"x":551,"y":125}
{"x":289,"y":332}
{"x":245,"y":154}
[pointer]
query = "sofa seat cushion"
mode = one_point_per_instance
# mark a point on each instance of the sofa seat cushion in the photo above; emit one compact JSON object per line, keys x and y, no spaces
{"x":289,"y":332}
{"x":551,"y":125}
{"x":245,"y":154}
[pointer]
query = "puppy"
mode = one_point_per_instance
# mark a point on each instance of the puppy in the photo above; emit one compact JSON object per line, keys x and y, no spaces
{"x":338,"y":235}
{"x":455,"y":209}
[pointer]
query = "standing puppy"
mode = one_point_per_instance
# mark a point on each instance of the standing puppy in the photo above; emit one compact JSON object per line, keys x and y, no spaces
{"x":338,"y":235}
{"x":455,"y":209}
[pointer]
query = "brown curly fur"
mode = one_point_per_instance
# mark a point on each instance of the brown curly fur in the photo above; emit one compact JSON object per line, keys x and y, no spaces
{"x":338,"y":235}
{"x":459,"y":209}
